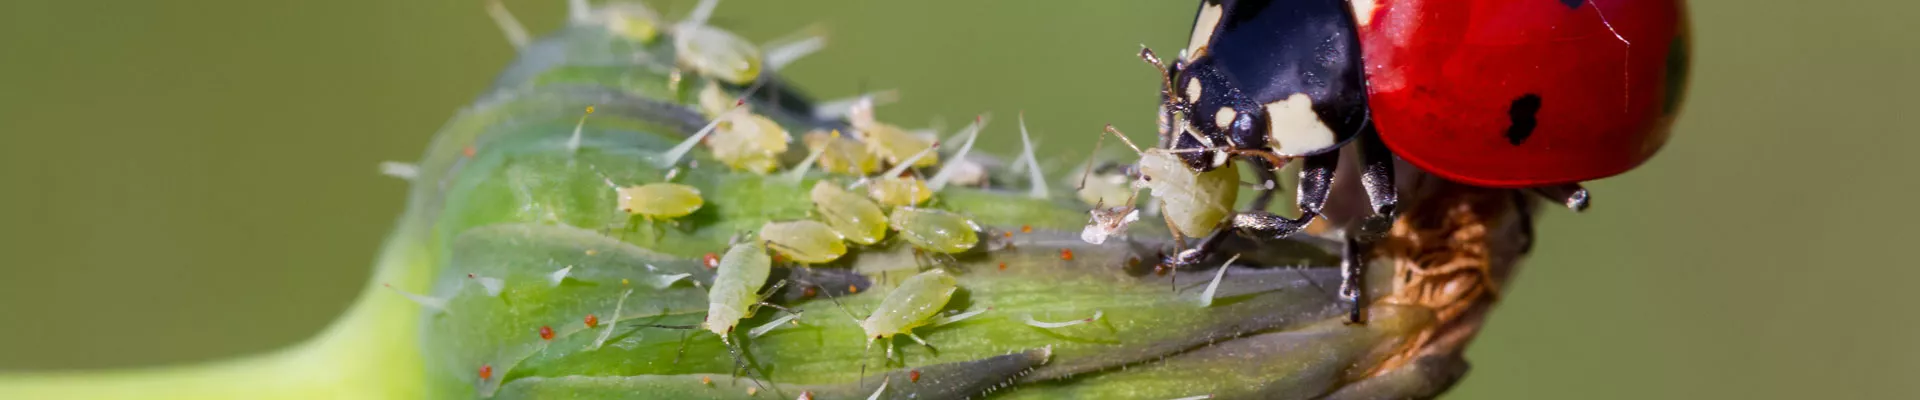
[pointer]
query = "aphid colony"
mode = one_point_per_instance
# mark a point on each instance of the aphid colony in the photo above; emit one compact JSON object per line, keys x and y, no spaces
{"x":855,"y":204}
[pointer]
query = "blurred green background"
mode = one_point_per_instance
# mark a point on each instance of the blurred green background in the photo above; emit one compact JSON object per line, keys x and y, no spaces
{"x":187,"y":183}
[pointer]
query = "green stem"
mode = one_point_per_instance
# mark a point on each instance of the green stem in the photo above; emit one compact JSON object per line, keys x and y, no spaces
{"x":369,"y":353}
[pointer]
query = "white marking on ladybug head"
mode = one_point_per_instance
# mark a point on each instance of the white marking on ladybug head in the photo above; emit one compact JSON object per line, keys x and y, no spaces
{"x":1193,"y":89}
{"x":1363,"y":11}
{"x":1224,"y":118}
{"x":1294,"y":129}
{"x":1203,"y":26}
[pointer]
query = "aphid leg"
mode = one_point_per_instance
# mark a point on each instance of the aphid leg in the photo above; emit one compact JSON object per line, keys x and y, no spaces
{"x":923,"y":342}
{"x":1571,"y":195}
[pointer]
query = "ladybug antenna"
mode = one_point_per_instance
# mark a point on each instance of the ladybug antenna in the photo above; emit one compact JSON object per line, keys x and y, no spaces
{"x":1166,"y":81}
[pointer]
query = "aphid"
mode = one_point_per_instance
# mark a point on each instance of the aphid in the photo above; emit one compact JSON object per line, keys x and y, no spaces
{"x":713,"y":101}
{"x":913,"y":304}
{"x":630,"y":20}
{"x":661,"y":200}
{"x":903,"y":191}
{"x":714,"y":52}
{"x":706,"y":380}
{"x":752,"y":391}
{"x":469,"y":151}
{"x":546,"y":332}
{"x":913,"y":376}
{"x":710,"y":260}
{"x":1106,"y":185}
{"x":1108,"y":221}
{"x":1003,"y":265}
{"x":804,"y":241}
{"x":934,"y":230}
{"x":1066,"y":254}
{"x":748,"y":141}
{"x":736,"y":286}
{"x":959,"y":169}
{"x":592,"y":321}
{"x":486,"y":372}
{"x":841,"y":155}
{"x":890,"y":143}
{"x":1026,"y":229}
{"x":1194,"y":203}
{"x":854,"y":217}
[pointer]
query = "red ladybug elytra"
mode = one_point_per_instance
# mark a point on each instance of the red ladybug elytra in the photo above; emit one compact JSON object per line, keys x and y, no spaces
{"x":1523,"y":93}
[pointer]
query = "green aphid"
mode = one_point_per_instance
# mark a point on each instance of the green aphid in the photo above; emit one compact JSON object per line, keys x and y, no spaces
{"x":660,"y":200}
{"x":898,"y":191}
{"x":853,"y":216}
{"x":804,"y":241}
{"x":736,"y":286}
{"x":911,"y":305}
{"x":935,"y":230}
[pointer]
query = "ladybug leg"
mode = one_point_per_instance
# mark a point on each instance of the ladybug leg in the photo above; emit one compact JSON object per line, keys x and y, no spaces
{"x":1571,"y":195}
{"x":1316,"y":179}
{"x":1376,"y":174}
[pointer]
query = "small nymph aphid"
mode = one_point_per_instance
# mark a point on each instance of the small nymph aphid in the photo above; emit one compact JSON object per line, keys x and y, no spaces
{"x":804,"y":241}
{"x":840,"y":154}
{"x":889,"y":142}
{"x":714,"y":52}
{"x":911,"y":305}
{"x":748,"y":141}
{"x":857,"y":219}
{"x":935,"y":230}
{"x":661,"y":200}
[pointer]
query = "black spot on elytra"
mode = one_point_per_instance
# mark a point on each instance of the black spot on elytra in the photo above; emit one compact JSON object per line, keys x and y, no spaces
{"x":1521,"y":113}
{"x":1574,"y":4}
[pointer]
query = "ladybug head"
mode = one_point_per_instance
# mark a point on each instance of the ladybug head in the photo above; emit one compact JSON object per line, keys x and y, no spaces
{"x":1197,"y":146}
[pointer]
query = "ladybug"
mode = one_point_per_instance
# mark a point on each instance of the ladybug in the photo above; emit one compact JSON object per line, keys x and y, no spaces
{"x":1533,"y":94}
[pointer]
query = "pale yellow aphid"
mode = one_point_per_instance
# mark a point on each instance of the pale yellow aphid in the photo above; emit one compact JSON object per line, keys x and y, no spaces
{"x":632,"y":21}
{"x":911,"y":305}
{"x":714,"y":101}
{"x":714,"y":52}
{"x":1194,"y":203}
{"x":660,"y":200}
{"x":1107,"y":187}
{"x":854,"y":217}
{"x":895,"y":145}
{"x":841,"y":155}
{"x":894,"y":191}
{"x":804,"y":241}
{"x":890,"y":143}
{"x":749,"y":142}
{"x":934,"y":230}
